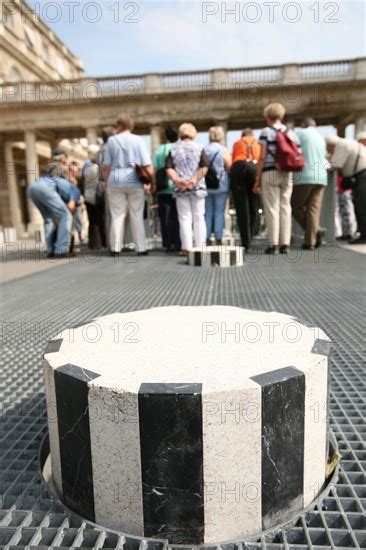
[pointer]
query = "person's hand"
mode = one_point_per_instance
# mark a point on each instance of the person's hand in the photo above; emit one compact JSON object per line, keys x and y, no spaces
{"x":147,"y":187}
{"x":257,"y":187}
{"x":71,"y":206}
{"x":191,"y":183}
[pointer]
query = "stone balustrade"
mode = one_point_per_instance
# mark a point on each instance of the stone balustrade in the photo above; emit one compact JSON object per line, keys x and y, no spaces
{"x":132,"y":85}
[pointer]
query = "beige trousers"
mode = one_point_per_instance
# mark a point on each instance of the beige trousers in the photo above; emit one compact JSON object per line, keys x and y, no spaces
{"x":276,"y":195}
{"x":123,"y":201}
{"x":306,"y":204}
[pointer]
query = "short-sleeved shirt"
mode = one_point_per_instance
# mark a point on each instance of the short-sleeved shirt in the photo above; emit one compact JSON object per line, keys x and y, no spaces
{"x":160,"y":162}
{"x":123,"y":153}
{"x":268,"y":137}
{"x":186,"y":157}
{"x":345,"y":155}
{"x":53,"y":184}
{"x":215,"y":156}
{"x":246,"y":148}
{"x":314,"y":150}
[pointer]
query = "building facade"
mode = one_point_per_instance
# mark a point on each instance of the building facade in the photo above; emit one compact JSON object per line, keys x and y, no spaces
{"x":44,"y":100}
{"x":29,"y":52}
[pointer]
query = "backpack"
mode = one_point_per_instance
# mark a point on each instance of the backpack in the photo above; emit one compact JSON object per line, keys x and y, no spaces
{"x":211,"y":178}
{"x":247,"y":150}
{"x":289,"y":156}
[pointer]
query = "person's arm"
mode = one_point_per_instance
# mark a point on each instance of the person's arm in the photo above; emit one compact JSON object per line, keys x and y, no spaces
{"x":228,"y":161}
{"x":260,"y":166}
{"x":67,"y":192}
{"x":148,"y":173}
{"x":107,"y":162}
{"x":201,"y":172}
{"x":106,"y":170}
{"x":144,"y":162}
{"x":172,"y":173}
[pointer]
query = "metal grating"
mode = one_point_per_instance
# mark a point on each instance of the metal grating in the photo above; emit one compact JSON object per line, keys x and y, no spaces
{"x":324,"y":290}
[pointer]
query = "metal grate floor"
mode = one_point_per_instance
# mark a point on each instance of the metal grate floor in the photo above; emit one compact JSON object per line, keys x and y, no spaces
{"x":325,"y":290}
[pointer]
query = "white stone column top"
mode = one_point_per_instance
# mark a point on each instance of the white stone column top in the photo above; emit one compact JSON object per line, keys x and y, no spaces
{"x":220,"y":347}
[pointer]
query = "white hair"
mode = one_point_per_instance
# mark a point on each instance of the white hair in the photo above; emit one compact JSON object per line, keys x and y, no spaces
{"x":332,"y":140}
{"x":93,"y":150}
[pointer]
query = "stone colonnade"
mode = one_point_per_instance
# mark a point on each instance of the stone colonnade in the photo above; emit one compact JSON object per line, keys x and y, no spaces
{"x":32,"y":168}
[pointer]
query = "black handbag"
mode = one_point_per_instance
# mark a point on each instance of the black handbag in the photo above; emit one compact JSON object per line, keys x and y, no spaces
{"x":212,"y":178}
{"x":143,"y":179}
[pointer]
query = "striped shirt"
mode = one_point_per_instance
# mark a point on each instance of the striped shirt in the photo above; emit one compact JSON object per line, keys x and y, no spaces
{"x":268,"y":137}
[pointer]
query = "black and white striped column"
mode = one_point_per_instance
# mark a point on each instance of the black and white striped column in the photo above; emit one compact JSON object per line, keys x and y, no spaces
{"x":192,"y":424}
{"x":216,"y":256}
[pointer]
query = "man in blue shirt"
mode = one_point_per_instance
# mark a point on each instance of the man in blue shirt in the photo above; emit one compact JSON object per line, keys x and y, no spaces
{"x":55,"y":199}
{"x":309,"y":184}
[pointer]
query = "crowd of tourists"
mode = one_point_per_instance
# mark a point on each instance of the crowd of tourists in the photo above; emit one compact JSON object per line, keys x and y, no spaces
{"x":284,"y":171}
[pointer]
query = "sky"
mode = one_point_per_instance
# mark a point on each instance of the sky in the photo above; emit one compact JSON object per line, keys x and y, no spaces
{"x":118,"y":37}
{"x":121,"y":37}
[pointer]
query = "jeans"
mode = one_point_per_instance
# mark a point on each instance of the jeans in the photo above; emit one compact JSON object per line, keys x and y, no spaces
{"x":215,"y":214}
{"x":57,"y":218}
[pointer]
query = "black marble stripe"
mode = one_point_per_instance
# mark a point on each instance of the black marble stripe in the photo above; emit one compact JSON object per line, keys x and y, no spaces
{"x":198,"y":258}
{"x":321,"y":347}
{"x":74,"y":436}
{"x":215,"y":258}
{"x":171,"y":443}
{"x":232,"y":257}
{"x":283,"y":411}
{"x":53,"y":346}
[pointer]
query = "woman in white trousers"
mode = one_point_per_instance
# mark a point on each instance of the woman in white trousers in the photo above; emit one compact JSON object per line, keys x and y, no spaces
{"x":187,"y":165}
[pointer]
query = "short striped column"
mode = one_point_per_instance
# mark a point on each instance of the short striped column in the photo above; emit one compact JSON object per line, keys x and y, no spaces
{"x":216,"y":256}
{"x":192,"y":424}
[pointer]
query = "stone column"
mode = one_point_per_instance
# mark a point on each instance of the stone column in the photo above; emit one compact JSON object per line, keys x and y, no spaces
{"x":92,"y":136}
{"x":10,"y":175}
{"x":276,"y":422}
{"x":32,"y":172}
{"x":152,"y":83}
{"x":155,"y":135}
{"x":290,"y":73}
{"x":360,"y":124}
